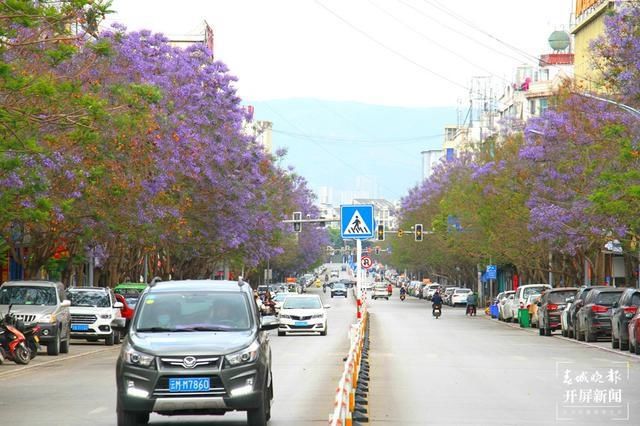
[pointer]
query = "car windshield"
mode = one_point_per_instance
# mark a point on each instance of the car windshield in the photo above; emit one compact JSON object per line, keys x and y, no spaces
{"x":608,"y":298}
{"x":560,"y":296}
{"x":302,"y":303}
{"x":280,"y":297}
{"x":466,"y":290}
{"x":532,"y":290}
{"x":193,"y":311}
{"x":338,"y":286}
{"x":132,"y":301}
{"x":27,"y":295}
{"x":98,"y":299}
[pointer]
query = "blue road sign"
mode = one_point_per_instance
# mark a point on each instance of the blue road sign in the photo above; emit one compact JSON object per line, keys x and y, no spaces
{"x":492,"y":272}
{"x":356,"y":221}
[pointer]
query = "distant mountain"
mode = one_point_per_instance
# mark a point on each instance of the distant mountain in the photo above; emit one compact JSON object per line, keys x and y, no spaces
{"x":355,"y":147}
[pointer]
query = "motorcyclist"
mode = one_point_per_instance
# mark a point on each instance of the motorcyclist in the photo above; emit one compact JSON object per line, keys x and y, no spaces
{"x":436,"y":302}
{"x":389,"y":289}
{"x":472,"y":301}
{"x":403,"y":290}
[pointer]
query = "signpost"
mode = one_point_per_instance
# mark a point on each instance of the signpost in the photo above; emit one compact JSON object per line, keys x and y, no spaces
{"x":357,"y":223}
{"x":366,"y":262}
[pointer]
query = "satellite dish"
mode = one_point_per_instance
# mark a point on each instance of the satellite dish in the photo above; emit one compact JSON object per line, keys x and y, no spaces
{"x":559,"y":40}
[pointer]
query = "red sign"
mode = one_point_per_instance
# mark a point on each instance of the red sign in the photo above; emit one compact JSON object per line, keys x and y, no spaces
{"x":366,"y":262}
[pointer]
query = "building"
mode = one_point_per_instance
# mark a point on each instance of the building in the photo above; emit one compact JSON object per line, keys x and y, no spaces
{"x":384,"y":211}
{"x":430,"y":159}
{"x":186,"y":40}
{"x":588,"y":25}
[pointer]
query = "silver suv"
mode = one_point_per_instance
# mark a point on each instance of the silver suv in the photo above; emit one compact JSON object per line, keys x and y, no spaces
{"x":195,"y":347}
{"x":43,"y":303}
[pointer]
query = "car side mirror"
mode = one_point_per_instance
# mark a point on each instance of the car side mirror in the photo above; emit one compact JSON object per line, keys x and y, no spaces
{"x":65,"y":303}
{"x":327,"y":306}
{"x":269,"y":323}
{"x":118,"y":305}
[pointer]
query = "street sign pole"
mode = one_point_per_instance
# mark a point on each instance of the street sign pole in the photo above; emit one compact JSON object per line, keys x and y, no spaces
{"x":358,"y":277}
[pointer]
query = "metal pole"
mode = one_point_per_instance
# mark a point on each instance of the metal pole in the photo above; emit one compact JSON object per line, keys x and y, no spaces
{"x":480,"y":289}
{"x":91,"y":263}
{"x":358,"y":277}
{"x":550,"y":269}
{"x":146,"y":268}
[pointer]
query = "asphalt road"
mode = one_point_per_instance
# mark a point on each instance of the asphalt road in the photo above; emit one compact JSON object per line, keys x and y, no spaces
{"x":79,"y":389}
{"x":462,"y":370}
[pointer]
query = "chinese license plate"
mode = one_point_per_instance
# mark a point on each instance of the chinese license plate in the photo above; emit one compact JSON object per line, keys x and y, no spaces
{"x":300,"y":323}
{"x":79,"y":327}
{"x":190,"y":384}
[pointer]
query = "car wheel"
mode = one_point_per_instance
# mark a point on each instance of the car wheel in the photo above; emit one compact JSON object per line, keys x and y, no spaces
{"x":541,"y":331}
{"x":258,"y":416}
{"x":116,"y":337}
{"x":589,"y":336}
{"x":281,"y":333}
{"x":332,"y":296}
{"x":579,"y":334}
{"x":564,"y":333}
{"x":64,"y":346}
{"x":632,"y":348}
{"x":624,"y":346}
{"x":53,"y":348}
{"x":109,"y":339}
{"x":131,"y":418}
{"x":547,"y":331}
{"x":615,"y":343}
{"x":637,"y":349}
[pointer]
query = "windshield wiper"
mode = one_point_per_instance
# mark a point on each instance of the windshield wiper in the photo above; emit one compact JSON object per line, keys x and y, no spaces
{"x":206,"y":328}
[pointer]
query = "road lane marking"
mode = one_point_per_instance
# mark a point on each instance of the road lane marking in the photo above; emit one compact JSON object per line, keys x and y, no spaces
{"x":98,"y":411}
{"x":54,"y":361}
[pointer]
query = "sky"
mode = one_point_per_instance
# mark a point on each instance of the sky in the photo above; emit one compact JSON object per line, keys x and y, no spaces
{"x":402,"y":53}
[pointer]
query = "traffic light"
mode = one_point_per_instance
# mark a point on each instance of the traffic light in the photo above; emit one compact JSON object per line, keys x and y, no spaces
{"x":297,"y":225}
{"x":418,"y":232}
{"x":400,"y":233}
{"x":380,"y":233}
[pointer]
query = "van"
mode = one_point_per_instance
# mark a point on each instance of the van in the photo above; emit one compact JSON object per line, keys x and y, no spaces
{"x":524,"y":291}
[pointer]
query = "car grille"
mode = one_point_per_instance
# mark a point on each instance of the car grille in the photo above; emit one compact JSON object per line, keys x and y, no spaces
{"x":25,"y":317}
{"x":191,"y":364}
{"x":302,"y":327}
{"x":83,"y":319}
{"x":216,"y":388}
{"x":305,"y":318}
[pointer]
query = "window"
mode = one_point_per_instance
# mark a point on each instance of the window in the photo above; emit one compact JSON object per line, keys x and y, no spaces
{"x":98,"y":299}
{"x":450,"y":154}
{"x":532,"y":107}
{"x":544,"y":104}
{"x":28,"y":295}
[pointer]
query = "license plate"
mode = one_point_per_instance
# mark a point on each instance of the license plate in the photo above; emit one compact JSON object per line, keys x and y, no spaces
{"x":300,"y":323}
{"x":79,"y":327}
{"x":191,"y":384}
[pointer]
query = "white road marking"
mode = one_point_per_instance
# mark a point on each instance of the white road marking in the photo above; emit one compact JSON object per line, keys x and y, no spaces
{"x":98,"y":411}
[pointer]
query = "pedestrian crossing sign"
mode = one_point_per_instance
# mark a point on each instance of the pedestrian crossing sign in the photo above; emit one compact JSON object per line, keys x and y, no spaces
{"x":356,"y":221}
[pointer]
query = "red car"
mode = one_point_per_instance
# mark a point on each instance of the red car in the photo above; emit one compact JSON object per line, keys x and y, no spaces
{"x":634,"y":334}
{"x":127,"y":310}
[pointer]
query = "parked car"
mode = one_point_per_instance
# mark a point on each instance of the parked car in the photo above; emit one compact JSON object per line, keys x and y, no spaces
{"x":459,"y":296}
{"x":531,"y":305}
{"x":446,"y":296}
{"x":634,"y":334}
{"x":303,"y":313}
{"x":502,"y":299}
{"x":551,"y":307}
{"x":510,"y":308}
{"x":339,"y":289}
{"x":594,"y":317}
{"x":577,"y":303}
{"x":623,"y":311}
{"x":94,"y":312}
{"x":430,"y":290}
{"x":564,"y":317}
{"x":524,"y":291}
{"x":43,"y":303}
{"x":225,"y":354}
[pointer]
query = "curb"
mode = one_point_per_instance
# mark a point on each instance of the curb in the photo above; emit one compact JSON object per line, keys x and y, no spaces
{"x":568,"y":339}
{"x":53,"y":361}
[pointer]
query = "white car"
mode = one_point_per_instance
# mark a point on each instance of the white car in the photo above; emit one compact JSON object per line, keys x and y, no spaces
{"x":503,"y":297}
{"x":429,"y":290}
{"x":94,"y":310}
{"x":459,"y":296}
{"x":510,"y":308}
{"x":380,"y":292}
{"x":303,"y":314}
{"x":524,"y":291}
{"x":279,"y":298}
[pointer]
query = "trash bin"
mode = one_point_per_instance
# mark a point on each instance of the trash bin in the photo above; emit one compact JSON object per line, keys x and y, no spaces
{"x":493,"y":309}
{"x":523,"y":318}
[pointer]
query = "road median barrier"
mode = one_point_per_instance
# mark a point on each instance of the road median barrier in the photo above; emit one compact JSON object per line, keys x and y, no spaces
{"x":350,"y":404}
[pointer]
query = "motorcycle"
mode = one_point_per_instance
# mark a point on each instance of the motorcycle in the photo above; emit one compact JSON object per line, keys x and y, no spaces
{"x":402,"y":296}
{"x":13,"y":344}
{"x":437,"y":311}
{"x":471,"y":310}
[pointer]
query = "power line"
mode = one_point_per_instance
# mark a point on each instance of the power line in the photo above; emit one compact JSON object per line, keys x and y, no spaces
{"x":384,"y":46}
{"x":440,"y":45}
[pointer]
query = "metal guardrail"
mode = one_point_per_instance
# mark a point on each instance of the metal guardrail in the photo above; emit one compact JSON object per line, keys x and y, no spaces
{"x":351,"y":382}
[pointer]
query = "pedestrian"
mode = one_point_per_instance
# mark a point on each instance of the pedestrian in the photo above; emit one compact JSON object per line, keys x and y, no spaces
{"x":472,"y":302}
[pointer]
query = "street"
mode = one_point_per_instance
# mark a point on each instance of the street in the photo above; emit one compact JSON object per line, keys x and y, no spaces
{"x":472,"y":370}
{"x":81,"y":390}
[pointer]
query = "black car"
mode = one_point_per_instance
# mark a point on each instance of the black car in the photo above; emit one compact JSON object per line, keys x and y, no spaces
{"x":338,"y":289}
{"x":550,"y":308}
{"x":623,"y":311}
{"x":577,"y":303}
{"x":594,"y":318}
{"x":195,"y":347}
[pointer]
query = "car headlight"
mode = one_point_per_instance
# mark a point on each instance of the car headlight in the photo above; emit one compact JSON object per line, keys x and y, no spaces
{"x":317,"y":316}
{"x":105,"y":316}
{"x":137,"y":358}
{"x":50,"y":318}
{"x":245,"y":356}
